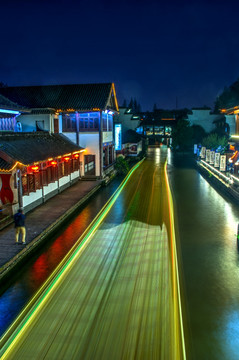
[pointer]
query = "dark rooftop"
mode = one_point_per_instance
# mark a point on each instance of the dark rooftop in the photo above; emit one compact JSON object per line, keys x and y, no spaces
{"x":131,"y":136}
{"x":79,"y":97}
{"x":8,"y":104}
{"x":28,"y":148}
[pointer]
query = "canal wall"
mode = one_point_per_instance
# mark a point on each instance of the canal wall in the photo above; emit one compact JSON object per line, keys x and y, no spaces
{"x":225,"y":189}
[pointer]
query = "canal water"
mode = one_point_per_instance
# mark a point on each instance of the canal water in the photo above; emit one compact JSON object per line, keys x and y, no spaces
{"x":206,"y":225}
{"x":209,"y":259}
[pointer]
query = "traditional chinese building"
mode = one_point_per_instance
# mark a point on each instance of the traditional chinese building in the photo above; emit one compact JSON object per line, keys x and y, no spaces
{"x":82,"y":112}
{"x":35,"y":167}
{"x":9,"y":113}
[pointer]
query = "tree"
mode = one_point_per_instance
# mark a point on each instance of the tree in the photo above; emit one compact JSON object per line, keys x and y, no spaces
{"x":198,"y":134}
{"x":2,"y":84}
{"x":214,"y":141}
{"x":228,"y":98}
{"x":182,"y":136}
{"x":121,"y":166}
{"x":124,"y":104}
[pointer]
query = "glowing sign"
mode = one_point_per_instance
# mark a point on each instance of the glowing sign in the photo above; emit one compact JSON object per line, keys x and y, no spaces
{"x":118,"y":140}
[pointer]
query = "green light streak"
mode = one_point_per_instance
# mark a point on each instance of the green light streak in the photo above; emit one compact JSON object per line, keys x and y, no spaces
{"x":14,"y":332}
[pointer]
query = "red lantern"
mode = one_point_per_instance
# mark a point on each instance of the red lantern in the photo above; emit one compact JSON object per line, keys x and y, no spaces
{"x":76,"y":156}
{"x":66,"y":158}
{"x":54,"y":163}
{"x":35,"y":168}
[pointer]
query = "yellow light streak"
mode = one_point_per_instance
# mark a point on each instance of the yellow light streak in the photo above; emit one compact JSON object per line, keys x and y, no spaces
{"x":116,"y":102}
{"x":175,"y":261}
{"x":29,"y":313}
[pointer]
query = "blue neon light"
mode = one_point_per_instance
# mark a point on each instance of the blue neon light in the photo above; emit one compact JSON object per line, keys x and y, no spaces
{"x":118,"y":139}
{"x":9,"y":112}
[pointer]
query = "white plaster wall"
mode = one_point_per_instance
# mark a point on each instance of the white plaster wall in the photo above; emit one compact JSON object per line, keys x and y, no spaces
{"x":75,"y":175}
{"x":15,"y":191}
{"x":203,"y":118}
{"x":125,"y":119}
{"x":71,"y":136}
{"x":33,"y":196}
{"x":90,"y":142}
{"x":60,"y":123}
{"x":51,"y":187}
{"x":64,"y":180}
{"x":29,"y":121}
{"x":231,"y":121}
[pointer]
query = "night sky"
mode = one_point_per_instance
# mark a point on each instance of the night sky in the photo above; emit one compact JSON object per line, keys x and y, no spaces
{"x":154,"y":51}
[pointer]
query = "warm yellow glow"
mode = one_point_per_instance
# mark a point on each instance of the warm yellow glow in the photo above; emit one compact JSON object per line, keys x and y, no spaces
{"x":13,"y":167}
{"x":116,"y":102}
{"x":35,"y":168}
{"x":168,"y":119}
{"x":50,"y":159}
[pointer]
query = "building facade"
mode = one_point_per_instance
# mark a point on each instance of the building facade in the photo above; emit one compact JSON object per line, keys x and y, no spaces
{"x":35,"y":167}
{"x":82,"y":112}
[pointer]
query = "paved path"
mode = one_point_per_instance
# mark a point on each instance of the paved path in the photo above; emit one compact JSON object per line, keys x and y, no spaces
{"x":41,"y":218}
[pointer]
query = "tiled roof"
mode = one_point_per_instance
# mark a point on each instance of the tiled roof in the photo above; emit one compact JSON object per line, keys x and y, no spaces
{"x":28,"y":148}
{"x":4,"y":165}
{"x":76,"y":96}
{"x":8,"y":104}
{"x":131,"y":136}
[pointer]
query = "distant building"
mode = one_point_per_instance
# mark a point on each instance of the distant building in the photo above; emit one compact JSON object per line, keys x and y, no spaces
{"x":127,"y":118}
{"x":82,"y":112}
{"x":205,"y":118}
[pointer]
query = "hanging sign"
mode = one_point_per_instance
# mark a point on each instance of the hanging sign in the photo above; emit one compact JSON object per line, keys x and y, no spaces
{"x":223,"y":163}
{"x":203,"y":152}
{"x":217,"y":160}
{"x":118,"y":141}
{"x":208,"y":155}
{"x":212,"y":157}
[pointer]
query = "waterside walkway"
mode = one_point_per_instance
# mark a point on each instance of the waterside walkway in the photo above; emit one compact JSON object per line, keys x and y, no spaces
{"x":41,"y":222}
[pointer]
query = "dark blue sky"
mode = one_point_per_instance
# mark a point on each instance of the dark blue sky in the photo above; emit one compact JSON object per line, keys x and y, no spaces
{"x":154,"y":51}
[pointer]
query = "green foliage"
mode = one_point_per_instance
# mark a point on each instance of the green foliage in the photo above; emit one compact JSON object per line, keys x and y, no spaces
{"x":182,"y":136}
{"x":213,"y":141}
{"x":198,"y":134}
{"x":228,"y":98}
{"x":121,"y":166}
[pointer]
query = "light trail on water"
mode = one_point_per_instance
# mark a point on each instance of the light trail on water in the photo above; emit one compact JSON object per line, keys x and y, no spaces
{"x":120,"y":298}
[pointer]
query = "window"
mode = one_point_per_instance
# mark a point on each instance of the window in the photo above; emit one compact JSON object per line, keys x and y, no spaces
{"x":89,"y":122}
{"x":104,"y":117}
{"x":69,"y":122}
{"x":110,"y":123}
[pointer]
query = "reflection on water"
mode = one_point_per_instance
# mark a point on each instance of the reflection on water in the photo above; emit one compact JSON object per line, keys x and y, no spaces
{"x":49,"y":256}
{"x":207,"y":224}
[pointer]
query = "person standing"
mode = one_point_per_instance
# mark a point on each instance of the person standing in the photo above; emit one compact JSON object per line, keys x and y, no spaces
{"x":19,"y":219}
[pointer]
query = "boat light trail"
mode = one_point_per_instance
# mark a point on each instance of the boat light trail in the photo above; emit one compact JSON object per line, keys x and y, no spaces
{"x":27,"y":316}
{"x":174,"y":258}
